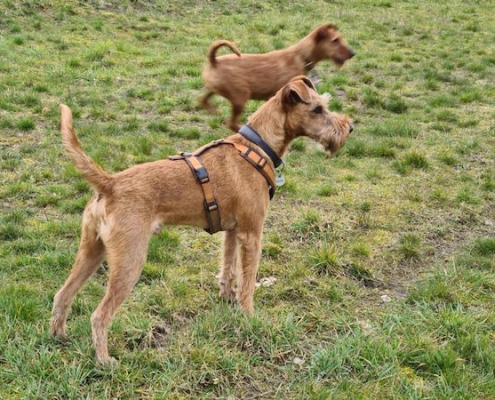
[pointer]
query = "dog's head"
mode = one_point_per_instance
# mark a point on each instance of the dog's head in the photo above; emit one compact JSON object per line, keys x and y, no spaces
{"x":329,"y":45}
{"x":307,"y":114}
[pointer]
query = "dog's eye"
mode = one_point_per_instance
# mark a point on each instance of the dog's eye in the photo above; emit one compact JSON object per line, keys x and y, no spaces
{"x":335,"y":40}
{"x":318,"y":110}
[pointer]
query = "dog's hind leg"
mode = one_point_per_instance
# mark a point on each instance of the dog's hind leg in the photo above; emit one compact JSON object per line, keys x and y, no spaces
{"x":250,"y":255}
{"x":89,"y":257}
{"x":127,"y":251}
{"x":204,"y":101}
{"x":229,"y":267}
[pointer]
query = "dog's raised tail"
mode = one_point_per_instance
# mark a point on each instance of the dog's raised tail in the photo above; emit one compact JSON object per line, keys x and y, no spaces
{"x":212,"y":51}
{"x":93,"y":173}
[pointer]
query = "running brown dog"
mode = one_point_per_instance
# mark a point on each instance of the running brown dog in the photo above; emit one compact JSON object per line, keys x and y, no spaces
{"x":131,"y":205}
{"x":239,"y":78}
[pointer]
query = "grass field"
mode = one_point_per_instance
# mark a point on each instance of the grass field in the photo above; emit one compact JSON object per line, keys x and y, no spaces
{"x":384,"y":255}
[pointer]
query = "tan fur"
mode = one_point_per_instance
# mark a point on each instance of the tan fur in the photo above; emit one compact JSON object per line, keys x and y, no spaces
{"x":241,"y":77}
{"x":131,"y":205}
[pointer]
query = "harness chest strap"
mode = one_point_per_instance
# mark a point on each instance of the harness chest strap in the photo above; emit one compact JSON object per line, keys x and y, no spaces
{"x":211,"y":206}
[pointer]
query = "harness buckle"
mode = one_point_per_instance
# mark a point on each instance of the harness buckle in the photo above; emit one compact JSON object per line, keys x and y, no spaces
{"x":212,"y":206}
{"x":202,"y":175}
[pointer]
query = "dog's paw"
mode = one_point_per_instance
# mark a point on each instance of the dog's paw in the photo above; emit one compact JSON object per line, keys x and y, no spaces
{"x":228,"y":295}
{"x":107,"y":361}
{"x":58,"y":331}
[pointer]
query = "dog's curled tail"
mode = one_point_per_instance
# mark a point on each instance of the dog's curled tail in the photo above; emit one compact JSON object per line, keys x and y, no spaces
{"x":93,"y":173}
{"x":212,"y":51}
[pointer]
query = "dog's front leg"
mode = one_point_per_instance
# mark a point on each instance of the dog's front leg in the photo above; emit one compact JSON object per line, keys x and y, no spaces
{"x":238,"y":101}
{"x":250,"y":256}
{"x":229,"y":269}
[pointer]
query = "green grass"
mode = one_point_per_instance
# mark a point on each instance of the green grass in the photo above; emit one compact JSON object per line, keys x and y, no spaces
{"x":384,"y":255}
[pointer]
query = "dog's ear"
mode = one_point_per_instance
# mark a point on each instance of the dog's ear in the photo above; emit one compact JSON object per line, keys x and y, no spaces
{"x":297,"y":91}
{"x":324,"y":31}
{"x":308,"y":82}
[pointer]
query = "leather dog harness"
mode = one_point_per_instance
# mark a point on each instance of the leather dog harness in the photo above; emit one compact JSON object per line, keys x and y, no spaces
{"x":198,"y":169}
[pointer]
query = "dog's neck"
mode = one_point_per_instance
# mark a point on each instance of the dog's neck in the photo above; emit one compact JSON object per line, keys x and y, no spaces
{"x":305,"y":50}
{"x":305,"y":60}
{"x":270,"y":127}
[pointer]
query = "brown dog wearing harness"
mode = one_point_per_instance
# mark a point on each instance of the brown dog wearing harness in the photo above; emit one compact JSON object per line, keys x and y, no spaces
{"x":131,"y":205}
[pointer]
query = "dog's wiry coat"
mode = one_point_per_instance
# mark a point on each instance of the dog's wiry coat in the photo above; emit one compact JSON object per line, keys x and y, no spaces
{"x":241,"y":77}
{"x":131,"y":205}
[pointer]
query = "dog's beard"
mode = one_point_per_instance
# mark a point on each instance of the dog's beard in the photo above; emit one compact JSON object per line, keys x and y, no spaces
{"x":332,"y":137}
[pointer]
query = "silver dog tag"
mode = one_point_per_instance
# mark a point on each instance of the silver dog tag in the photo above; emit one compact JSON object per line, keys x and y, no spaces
{"x":279,"y":178}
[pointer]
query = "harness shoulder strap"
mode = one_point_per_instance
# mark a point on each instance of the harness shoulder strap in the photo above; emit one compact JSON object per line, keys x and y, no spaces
{"x":208,"y":146}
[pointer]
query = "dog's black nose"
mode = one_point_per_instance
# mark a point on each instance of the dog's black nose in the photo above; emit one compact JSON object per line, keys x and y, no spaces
{"x":353,"y":53}
{"x":351,"y":128}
